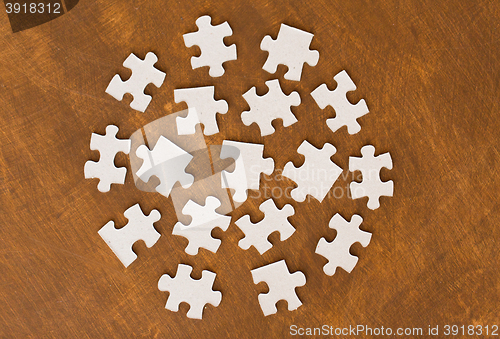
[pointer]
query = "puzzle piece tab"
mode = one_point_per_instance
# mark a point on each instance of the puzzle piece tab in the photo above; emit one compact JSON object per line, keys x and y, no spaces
{"x":204,"y":220}
{"x":202,"y":109}
{"x":346,"y":114}
{"x":210,"y":39}
{"x":249,"y":164}
{"x":183,"y":288}
{"x":143,"y":73}
{"x":168,"y":162}
{"x":337,"y":251}
{"x":318,"y":173}
{"x":274,"y":220}
{"x":281,"y":285}
{"x":291,"y":48}
{"x":272,"y":105}
{"x":105,"y":169}
{"x":139,"y":227}
{"x":371,"y":186}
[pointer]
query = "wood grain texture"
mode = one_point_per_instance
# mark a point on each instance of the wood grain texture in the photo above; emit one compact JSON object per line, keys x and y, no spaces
{"x":429,"y":71}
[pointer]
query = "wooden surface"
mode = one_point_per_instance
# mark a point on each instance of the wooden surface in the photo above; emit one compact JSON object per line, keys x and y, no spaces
{"x":429,"y":73}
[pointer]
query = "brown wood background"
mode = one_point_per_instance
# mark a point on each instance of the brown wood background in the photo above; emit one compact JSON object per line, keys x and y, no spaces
{"x":429,"y":73}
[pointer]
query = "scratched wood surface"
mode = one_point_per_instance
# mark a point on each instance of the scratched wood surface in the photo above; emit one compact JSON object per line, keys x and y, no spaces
{"x":429,"y":71}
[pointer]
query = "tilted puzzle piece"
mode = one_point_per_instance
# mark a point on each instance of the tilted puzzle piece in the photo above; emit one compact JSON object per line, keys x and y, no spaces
{"x":318,"y":173}
{"x":139,"y":227}
{"x":105,"y":169}
{"x":281,"y":285}
{"x":274,"y":220}
{"x":183,"y":288}
{"x":272,"y":105}
{"x":291,"y":48}
{"x":202,"y":109}
{"x":371,"y":186}
{"x":204,"y":220}
{"x":143,"y":73}
{"x":345,"y":112}
{"x":249,"y":164}
{"x":210,"y":39}
{"x":337,"y":251}
{"x":168,"y":162}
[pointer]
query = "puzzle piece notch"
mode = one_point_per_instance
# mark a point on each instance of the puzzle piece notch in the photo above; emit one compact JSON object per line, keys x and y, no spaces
{"x":274,"y":220}
{"x":143,"y":73}
{"x":337,"y":251}
{"x":183,"y":288}
{"x":204,"y":220}
{"x":108,"y":146}
{"x":270,"y":106}
{"x":346,"y":114}
{"x":168,"y":162}
{"x":316,"y":160}
{"x":203,"y":108}
{"x":249,"y":164}
{"x":281,"y":285}
{"x":210,"y":39}
{"x":139,"y":227}
{"x":371,"y":186}
{"x":291,"y":48}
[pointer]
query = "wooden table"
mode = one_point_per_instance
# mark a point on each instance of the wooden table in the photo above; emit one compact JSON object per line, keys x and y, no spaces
{"x":428,"y":71}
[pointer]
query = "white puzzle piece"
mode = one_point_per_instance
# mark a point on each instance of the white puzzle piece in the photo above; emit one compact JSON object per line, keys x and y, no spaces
{"x":270,"y":106}
{"x":371,"y":186}
{"x":210,"y":39}
{"x":337,"y":251}
{"x":249,"y":164}
{"x":346,"y":114}
{"x":274,"y":220}
{"x":139,"y":227}
{"x":291,"y":48}
{"x":318,"y":173}
{"x":281,"y":285}
{"x":143,"y":73}
{"x":168,"y":162}
{"x":204,"y":220}
{"x":183,"y":288}
{"x":200,"y":101}
{"x":105,"y":169}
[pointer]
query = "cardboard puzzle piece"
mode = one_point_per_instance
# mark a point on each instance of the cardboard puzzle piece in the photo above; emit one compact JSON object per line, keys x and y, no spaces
{"x":371,"y":186}
{"x":143,"y":73}
{"x":281,"y":285}
{"x":291,"y":48}
{"x":210,"y":39}
{"x":108,"y":146}
{"x":274,"y":220}
{"x":346,"y":114}
{"x":139,"y":227}
{"x":337,"y":251}
{"x":270,"y":106}
{"x":183,"y":288}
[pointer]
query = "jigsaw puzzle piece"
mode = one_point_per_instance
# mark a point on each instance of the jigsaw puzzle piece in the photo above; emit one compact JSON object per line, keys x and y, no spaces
{"x":346,"y":114}
{"x":183,"y":288}
{"x":337,"y":251}
{"x":210,"y":39}
{"x":203,"y":108}
{"x":143,"y":73}
{"x":291,"y":48}
{"x":204,"y":220}
{"x":139,"y":227}
{"x":105,"y":169}
{"x":272,"y":105}
{"x":274,"y":220}
{"x":281,"y":285}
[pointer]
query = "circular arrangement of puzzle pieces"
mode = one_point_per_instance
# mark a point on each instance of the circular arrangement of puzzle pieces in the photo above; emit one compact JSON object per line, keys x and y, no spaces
{"x":173,"y":139}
